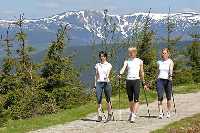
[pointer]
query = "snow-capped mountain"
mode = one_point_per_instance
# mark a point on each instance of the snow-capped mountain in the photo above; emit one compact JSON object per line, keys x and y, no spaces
{"x":84,"y":25}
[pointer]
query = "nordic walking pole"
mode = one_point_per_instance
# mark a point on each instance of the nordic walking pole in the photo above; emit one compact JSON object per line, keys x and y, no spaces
{"x":119,"y":99}
{"x":170,"y":75}
{"x":173,"y":100}
{"x":145,"y":95}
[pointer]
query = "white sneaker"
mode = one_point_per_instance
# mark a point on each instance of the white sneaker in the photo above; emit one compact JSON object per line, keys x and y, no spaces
{"x":168,"y":115}
{"x":133,"y":117}
{"x":99,"y":119}
{"x":161,"y":115}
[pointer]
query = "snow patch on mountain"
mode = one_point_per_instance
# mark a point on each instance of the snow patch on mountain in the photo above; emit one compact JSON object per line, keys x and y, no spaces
{"x":84,"y":24}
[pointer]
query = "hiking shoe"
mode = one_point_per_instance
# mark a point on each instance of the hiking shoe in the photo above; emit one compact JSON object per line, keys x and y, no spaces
{"x":109,"y":118}
{"x":161,"y":115}
{"x":168,"y":115}
{"x":99,"y":119}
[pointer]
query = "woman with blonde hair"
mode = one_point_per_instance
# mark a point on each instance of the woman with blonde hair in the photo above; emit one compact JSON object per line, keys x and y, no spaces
{"x":164,"y":81}
{"x":134,"y":67}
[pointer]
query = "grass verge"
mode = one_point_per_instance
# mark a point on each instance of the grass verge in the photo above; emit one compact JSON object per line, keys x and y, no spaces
{"x":22,"y":126}
{"x":186,"y":125}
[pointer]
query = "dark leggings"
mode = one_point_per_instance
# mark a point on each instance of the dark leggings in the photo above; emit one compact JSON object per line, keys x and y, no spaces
{"x":133,"y":90}
{"x":164,"y":85}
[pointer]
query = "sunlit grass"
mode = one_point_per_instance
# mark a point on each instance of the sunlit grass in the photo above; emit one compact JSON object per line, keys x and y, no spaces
{"x":22,"y":126}
{"x":186,"y":125}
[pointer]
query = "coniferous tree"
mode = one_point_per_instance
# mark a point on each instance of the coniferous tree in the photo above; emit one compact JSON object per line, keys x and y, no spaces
{"x":194,"y":52}
{"x":8,"y":64}
{"x":61,"y":75}
{"x":58,"y":69}
{"x":8,"y":61}
{"x":170,"y":40}
{"x":24,"y":65}
{"x":146,"y":50}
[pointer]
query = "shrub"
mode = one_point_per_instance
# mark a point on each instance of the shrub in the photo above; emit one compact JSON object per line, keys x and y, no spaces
{"x":183,"y":77}
{"x":69,"y":96}
{"x":4,"y":115}
{"x":28,"y":102}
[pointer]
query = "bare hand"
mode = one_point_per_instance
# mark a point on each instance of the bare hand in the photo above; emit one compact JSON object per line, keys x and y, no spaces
{"x":119,"y":76}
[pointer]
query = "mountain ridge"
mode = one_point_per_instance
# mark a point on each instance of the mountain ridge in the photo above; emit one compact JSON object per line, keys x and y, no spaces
{"x":88,"y":23}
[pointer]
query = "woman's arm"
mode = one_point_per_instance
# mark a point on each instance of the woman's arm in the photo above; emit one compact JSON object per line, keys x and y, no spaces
{"x":123,"y":68}
{"x":96,"y":77}
{"x":95,"y":81}
{"x":109,"y":70}
{"x":171,"y":67}
{"x":158,"y":71}
{"x":142,"y":76}
{"x":142,"y":72}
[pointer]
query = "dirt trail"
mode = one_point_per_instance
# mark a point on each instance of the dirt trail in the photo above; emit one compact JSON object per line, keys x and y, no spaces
{"x":187,"y":105}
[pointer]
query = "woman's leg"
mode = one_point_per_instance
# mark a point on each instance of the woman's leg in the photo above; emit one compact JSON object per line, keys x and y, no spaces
{"x":131,"y":106}
{"x":129,"y":90}
{"x":108,"y":94}
{"x":159,"y":88}
{"x":168,"y":91}
{"x":99,"y":91}
{"x":136,"y":93}
{"x":169,"y":105}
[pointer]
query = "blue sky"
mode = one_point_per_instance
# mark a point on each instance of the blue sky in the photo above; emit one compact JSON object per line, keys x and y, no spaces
{"x":9,"y":9}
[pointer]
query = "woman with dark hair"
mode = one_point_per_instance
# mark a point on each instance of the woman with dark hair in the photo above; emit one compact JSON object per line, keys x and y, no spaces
{"x":102,"y":84}
{"x":164,"y":81}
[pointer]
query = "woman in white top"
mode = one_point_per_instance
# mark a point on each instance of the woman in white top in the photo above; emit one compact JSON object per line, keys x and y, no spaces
{"x":164,"y":81}
{"x":134,"y":66}
{"x":102,"y":83}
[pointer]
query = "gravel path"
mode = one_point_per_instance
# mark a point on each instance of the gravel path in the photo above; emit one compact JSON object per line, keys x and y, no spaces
{"x":187,"y":105}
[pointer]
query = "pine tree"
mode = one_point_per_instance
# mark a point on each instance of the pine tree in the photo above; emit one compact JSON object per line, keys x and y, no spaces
{"x":58,"y":68}
{"x":61,"y":75}
{"x":194,"y":53}
{"x":146,"y":50}
{"x":8,"y":61}
{"x":24,"y":62}
{"x":170,"y":40}
{"x":8,"y":64}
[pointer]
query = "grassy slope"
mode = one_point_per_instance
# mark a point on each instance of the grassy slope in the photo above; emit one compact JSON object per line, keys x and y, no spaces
{"x":21,"y":126}
{"x":186,"y":125}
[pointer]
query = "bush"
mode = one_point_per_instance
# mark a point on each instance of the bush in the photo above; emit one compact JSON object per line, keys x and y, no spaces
{"x":4,"y":115}
{"x":183,"y":77}
{"x":27,"y":103}
{"x":9,"y":83}
{"x":69,"y":96}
